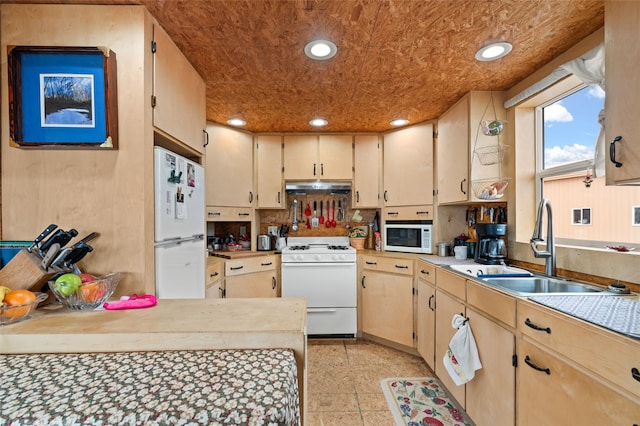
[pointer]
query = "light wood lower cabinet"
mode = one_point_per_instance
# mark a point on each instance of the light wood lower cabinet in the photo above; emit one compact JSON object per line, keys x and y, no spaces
{"x":213,"y":282}
{"x":553,"y":392}
{"x":251,"y":277}
{"x":491,"y":395}
{"x":446,"y":307}
{"x":426,"y":312}
{"x":387,"y":298}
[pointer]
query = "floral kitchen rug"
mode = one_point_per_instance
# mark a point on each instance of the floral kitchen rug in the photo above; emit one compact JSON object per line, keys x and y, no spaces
{"x":422,"y":401}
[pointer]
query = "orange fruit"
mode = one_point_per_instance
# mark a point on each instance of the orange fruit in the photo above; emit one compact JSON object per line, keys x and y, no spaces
{"x":17,"y":298}
{"x":92,"y":292}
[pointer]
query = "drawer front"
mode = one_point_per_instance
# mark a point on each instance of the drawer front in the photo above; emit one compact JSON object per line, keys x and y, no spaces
{"x":494,"y":303}
{"x":453,"y":284}
{"x":427,"y":271}
{"x":214,"y":273}
{"x":388,"y":264}
{"x":249,"y":265}
{"x":612,"y":357}
{"x":424,"y":212}
{"x":229,"y":214}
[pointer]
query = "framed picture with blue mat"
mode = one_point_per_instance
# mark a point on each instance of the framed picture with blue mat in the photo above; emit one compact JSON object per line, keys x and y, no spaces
{"x":61,"y":97}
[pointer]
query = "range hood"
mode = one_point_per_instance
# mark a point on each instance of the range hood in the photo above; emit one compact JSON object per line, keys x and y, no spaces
{"x":317,"y":187}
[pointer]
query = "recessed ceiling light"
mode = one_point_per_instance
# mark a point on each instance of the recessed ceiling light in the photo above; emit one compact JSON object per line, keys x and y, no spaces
{"x":399,"y":122}
{"x":493,"y":51}
{"x":318,"y":122}
{"x":320,"y":50}
{"x":237,"y":122}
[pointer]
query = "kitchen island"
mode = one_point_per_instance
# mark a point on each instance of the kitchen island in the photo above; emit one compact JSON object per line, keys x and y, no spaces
{"x":172,"y":325}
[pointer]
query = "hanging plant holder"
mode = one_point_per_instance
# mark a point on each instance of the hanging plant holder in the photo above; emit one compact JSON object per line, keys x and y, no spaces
{"x":491,"y":188}
{"x":492,"y":128}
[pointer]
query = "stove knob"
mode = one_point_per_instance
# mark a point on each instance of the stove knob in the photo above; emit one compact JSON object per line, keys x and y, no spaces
{"x":317,"y":257}
{"x":297,"y":257}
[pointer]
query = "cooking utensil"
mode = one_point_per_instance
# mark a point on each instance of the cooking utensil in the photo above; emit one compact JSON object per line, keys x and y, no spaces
{"x":295,"y":216}
{"x":60,"y":237}
{"x":339,"y":210}
{"x":307,"y":211}
{"x":36,"y":243}
{"x":308,"y":224}
{"x":333,"y":216}
{"x":321,"y":219}
{"x":314,"y":219}
{"x":78,"y":253}
{"x":328,"y":221}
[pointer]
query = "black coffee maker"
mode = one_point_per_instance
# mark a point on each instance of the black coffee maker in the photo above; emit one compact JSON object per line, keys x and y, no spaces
{"x":491,"y":248}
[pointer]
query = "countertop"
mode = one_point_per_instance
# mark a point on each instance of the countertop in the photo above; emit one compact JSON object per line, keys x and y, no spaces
{"x":240,"y":254}
{"x":173,"y":324}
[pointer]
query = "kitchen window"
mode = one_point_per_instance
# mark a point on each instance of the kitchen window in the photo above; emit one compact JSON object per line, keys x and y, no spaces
{"x":581,"y":216}
{"x":567,"y":127}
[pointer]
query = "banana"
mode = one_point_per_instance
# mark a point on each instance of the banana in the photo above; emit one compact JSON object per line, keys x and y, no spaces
{"x":3,"y":291}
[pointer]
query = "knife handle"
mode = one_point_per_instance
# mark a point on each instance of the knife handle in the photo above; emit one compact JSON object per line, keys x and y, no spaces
{"x":53,"y":239}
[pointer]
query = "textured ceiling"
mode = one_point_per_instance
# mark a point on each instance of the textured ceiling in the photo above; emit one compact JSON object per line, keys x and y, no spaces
{"x":396,"y":58}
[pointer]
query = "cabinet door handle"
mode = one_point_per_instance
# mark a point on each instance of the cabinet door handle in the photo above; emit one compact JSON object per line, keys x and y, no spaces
{"x":236,"y":268}
{"x":530,"y":324}
{"x":422,"y":271}
{"x":273,"y":283}
{"x":278,"y":197}
{"x":612,"y":151}
{"x":362,"y":282}
{"x":314,"y":169}
{"x":250,"y":197}
{"x":357,"y":196}
{"x":214,"y":213}
{"x":527,"y":361}
{"x":422,"y":212}
{"x":221,"y":293}
{"x":635,"y":373}
{"x":432,"y":297}
{"x":215,"y":274}
{"x":393,"y":213}
{"x":321,"y":169}
{"x":402,"y":266}
{"x":243,"y":214}
{"x":371,"y":263}
{"x":206,"y":138}
{"x":462,"y":186}
{"x":385,"y":195}
{"x":267,"y":264}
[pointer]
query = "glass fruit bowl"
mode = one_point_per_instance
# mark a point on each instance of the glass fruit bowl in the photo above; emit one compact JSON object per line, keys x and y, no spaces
{"x":17,"y":313}
{"x":89,"y":295}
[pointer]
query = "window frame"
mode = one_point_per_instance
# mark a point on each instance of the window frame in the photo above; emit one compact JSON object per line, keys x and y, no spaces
{"x":582,"y":211}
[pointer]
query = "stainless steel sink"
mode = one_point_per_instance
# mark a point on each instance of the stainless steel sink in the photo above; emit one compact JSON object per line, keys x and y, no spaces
{"x":476,"y":270}
{"x":524,"y":286}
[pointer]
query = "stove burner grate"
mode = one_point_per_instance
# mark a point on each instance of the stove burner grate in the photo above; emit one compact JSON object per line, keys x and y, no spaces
{"x":334,"y":247}
{"x":298,"y":247}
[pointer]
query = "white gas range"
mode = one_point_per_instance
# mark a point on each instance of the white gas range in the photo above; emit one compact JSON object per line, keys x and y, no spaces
{"x":322,"y":270}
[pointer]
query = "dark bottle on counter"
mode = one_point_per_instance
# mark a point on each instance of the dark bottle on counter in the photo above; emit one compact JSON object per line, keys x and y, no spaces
{"x":370,"y":244}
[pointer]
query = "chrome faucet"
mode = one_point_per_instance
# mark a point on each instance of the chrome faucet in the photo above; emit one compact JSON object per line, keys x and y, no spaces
{"x":550,"y":253}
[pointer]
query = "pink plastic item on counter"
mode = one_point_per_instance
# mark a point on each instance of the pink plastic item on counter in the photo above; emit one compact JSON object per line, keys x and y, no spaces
{"x":133,"y":302}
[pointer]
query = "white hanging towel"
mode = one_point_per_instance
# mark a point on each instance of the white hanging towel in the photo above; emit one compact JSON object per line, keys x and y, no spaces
{"x":461,"y":359}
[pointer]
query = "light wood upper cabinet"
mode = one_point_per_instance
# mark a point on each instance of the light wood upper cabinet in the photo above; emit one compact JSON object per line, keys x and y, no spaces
{"x":453,"y":153}
{"x":229,"y":166}
{"x":269,"y":171}
{"x":179,"y":94}
{"x":459,"y":137}
{"x":324,"y":157}
{"x":366,"y":161}
{"x":622,"y":104}
{"x":408,"y":166}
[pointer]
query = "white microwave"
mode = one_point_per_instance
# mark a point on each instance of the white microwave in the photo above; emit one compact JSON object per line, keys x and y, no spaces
{"x":408,"y":236}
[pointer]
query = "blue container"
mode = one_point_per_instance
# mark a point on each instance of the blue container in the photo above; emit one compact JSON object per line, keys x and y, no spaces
{"x":8,"y":249}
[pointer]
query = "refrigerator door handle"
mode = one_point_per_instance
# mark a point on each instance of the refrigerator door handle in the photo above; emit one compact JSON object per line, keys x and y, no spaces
{"x":178,"y":240}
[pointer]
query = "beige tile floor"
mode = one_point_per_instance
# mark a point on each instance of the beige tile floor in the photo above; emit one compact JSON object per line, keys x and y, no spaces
{"x":343,"y":379}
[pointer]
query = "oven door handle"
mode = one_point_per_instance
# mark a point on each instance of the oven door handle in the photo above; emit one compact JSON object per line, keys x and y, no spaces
{"x":320,"y":310}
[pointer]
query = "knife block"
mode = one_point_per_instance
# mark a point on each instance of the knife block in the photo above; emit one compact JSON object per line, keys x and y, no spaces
{"x":23,"y":272}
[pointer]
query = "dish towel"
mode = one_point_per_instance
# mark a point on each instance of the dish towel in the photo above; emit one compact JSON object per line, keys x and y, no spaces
{"x":461,"y":359}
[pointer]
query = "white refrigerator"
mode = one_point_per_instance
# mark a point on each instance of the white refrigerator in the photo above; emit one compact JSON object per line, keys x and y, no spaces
{"x":180,"y":243}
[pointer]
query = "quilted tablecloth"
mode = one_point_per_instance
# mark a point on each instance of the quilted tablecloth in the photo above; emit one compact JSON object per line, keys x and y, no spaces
{"x":249,"y":387}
